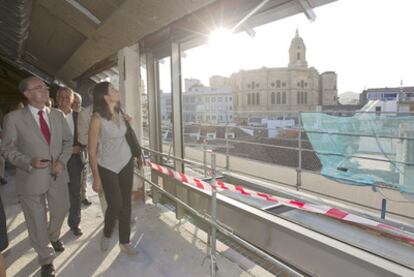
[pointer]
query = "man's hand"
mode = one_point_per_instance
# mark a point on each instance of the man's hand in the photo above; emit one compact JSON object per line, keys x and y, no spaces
{"x":58,"y":168}
{"x":39,"y":163}
{"x":76,"y":149}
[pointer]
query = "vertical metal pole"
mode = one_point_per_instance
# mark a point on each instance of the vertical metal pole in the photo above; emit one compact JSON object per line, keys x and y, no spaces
{"x":177,"y":106}
{"x":299,"y":169}
{"x":227,"y":149}
{"x":177,"y":120}
{"x":154,"y":113}
{"x":213,"y":269}
{"x":383,"y":208}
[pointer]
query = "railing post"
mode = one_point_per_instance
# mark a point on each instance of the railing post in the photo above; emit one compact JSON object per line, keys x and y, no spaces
{"x":299,"y":169}
{"x":205,"y":157}
{"x":383,"y":208}
{"x":213,"y":269}
{"x":227,"y":149}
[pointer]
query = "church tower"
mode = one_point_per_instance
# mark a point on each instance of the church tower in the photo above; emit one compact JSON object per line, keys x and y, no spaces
{"x":297,"y":52}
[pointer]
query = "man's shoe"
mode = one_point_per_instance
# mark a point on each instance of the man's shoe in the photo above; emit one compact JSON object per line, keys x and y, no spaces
{"x":86,"y":202}
{"x":3,"y":181}
{"x":77,"y":231}
{"x":48,"y":270}
{"x":58,"y":245}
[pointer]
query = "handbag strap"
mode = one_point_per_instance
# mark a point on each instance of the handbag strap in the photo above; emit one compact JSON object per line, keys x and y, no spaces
{"x":130,"y":128}
{"x":126,"y":121}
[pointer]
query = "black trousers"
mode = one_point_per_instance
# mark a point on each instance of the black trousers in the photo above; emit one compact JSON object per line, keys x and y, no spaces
{"x":75,"y":167}
{"x":117,"y":189}
{"x":4,"y":240}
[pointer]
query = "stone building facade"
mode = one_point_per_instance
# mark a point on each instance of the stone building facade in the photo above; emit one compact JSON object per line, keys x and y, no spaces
{"x":269,"y":91}
{"x":201,"y":104}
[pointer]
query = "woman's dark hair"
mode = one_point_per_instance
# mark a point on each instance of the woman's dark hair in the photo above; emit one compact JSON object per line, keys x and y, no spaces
{"x":99,"y":104}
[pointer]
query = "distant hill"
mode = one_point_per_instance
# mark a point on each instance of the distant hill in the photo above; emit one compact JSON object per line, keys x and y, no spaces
{"x":349,"y":98}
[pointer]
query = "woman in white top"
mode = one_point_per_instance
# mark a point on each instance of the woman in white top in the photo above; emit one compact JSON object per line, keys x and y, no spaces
{"x":111,"y":163}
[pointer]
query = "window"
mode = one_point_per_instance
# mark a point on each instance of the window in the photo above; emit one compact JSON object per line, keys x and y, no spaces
{"x":253,"y":98}
{"x":257,"y":98}
{"x":284,"y":97}
{"x":283,"y":84}
{"x":302,"y":97}
{"x":231,"y":98}
{"x":278,"y":98}
{"x":302,"y":84}
{"x":298,"y":56}
{"x":257,"y":85}
{"x":248,"y":85}
{"x":249,"y":101}
{"x":211,"y":135}
{"x":278,"y":83}
{"x":272,"y":98}
{"x":298,"y":97}
{"x":272,"y":84}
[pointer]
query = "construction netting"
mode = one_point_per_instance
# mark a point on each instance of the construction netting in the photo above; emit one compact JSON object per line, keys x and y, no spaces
{"x":364,"y":149}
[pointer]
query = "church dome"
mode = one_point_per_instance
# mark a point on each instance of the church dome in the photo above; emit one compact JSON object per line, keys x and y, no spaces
{"x":297,"y":52}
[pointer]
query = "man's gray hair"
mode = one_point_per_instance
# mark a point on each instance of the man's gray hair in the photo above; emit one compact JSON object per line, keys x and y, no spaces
{"x":75,"y":94}
{"x":24,"y":84}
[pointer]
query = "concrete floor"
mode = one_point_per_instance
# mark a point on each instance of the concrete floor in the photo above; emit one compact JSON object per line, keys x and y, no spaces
{"x":167,"y":247}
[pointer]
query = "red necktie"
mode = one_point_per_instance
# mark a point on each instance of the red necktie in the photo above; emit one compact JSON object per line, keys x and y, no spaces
{"x":43,"y":126}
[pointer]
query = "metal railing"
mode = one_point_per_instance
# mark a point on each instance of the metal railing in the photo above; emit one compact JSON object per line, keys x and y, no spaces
{"x":212,"y":219}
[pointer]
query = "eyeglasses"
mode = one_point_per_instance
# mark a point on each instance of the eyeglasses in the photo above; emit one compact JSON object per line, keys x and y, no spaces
{"x":39,"y":88}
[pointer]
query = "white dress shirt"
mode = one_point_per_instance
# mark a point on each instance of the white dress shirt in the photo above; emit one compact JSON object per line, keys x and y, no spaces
{"x":35,"y":113}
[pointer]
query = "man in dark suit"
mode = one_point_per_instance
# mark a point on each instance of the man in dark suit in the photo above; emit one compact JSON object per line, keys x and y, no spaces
{"x":37,"y":140}
{"x":64,"y":99}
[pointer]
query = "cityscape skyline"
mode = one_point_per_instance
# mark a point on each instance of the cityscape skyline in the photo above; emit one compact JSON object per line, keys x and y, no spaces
{"x":364,"y":49}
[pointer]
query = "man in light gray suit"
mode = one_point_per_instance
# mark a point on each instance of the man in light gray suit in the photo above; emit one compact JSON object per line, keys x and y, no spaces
{"x":38,"y":141}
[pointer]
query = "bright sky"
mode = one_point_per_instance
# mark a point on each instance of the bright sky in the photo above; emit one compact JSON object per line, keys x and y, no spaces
{"x":369,"y":43}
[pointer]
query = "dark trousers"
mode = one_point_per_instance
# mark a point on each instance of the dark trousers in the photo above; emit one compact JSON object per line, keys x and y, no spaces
{"x":117,"y":189}
{"x":75,"y":167}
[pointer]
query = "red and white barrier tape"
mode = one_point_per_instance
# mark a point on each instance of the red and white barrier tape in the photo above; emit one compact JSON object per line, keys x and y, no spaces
{"x":308,"y":207}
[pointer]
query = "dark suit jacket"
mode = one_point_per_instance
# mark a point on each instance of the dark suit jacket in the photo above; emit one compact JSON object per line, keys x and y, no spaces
{"x":75,"y":116}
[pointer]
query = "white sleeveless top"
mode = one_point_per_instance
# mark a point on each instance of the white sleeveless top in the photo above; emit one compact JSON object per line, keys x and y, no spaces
{"x":113,"y":151}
